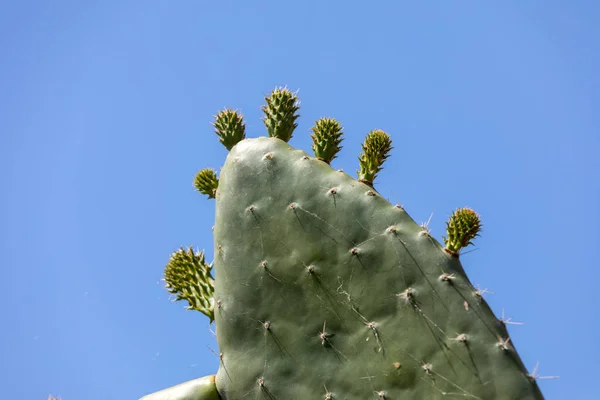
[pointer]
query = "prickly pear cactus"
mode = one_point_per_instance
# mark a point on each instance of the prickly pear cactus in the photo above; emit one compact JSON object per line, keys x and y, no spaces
{"x":325,"y":290}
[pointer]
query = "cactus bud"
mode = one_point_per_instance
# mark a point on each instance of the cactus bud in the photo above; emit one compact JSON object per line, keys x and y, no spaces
{"x":188,"y":277}
{"x":230,"y":126}
{"x":280,"y":113}
{"x":206,"y":182}
{"x":376,"y":148}
{"x":327,"y":136}
{"x":462,"y":227}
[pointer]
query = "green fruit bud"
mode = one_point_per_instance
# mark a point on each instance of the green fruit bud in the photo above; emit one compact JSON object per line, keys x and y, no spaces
{"x":327,"y":136}
{"x":280,"y":113}
{"x":376,"y":148}
{"x":229,"y":126}
{"x":206,"y":182}
{"x":188,"y":277}
{"x":462,"y":227}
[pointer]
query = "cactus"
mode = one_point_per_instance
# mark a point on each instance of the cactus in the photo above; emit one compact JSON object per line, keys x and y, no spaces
{"x":325,"y":290}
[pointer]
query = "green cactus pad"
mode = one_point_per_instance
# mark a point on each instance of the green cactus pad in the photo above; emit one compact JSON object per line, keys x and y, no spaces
{"x":188,"y":277}
{"x":462,"y":227}
{"x":376,"y":149}
{"x":229,"y":126}
{"x":198,"y":389}
{"x":326,"y":136}
{"x":324,"y":290}
{"x":206,"y":182}
{"x":280,"y":113}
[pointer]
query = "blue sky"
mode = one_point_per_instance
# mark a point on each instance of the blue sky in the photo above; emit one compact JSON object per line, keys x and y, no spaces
{"x":105,"y":111}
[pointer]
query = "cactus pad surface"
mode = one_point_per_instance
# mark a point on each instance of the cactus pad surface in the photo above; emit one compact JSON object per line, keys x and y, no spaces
{"x":325,"y":290}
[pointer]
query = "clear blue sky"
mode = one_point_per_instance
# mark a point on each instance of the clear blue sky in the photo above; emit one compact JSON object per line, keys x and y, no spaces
{"x":105,"y":111}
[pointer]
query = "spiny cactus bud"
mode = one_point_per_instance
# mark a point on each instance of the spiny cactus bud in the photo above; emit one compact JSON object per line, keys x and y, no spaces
{"x":188,"y":277}
{"x":230,"y":126}
{"x":327,"y":136}
{"x":206,"y":182}
{"x":376,"y":148}
{"x":462,"y":227}
{"x":280,"y":113}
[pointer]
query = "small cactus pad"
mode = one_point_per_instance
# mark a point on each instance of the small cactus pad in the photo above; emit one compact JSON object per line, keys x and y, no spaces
{"x":280,"y":113}
{"x":229,"y":125}
{"x":188,"y":277}
{"x":375,"y":150}
{"x":326,"y":290}
{"x":198,"y":389}
{"x":327,"y":136}
{"x":206,"y":182}
{"x":462,"y":227}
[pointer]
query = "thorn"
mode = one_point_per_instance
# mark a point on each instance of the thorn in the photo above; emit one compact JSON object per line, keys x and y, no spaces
{"x":534,"y":376}
{"x":427,"y":368}
{"x":503,"y":343}
{"x":447,"y":277}
{"x":506,"y":321}
{"x":460,"y":338}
